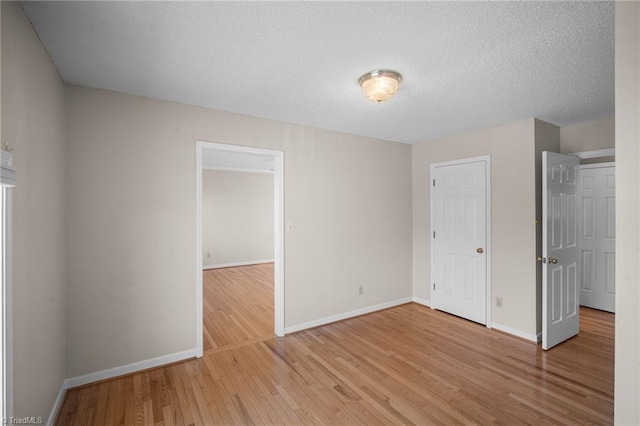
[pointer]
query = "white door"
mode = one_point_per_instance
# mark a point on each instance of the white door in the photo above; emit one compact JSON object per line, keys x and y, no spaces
{"x":597,"y":230}
{"x":459,"y":237}
{"x":560,"y":272}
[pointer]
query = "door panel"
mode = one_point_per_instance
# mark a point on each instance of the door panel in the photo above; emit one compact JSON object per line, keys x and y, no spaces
{"x":460,"y":235}
{"x":596,"y":197}
{"x":560,"y":271}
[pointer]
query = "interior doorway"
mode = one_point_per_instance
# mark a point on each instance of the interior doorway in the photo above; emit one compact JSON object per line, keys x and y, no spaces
{"x":578,"y":247}
{"x":233,"y":158}
{"x":597,"y":232}
{"x":461,"y":238}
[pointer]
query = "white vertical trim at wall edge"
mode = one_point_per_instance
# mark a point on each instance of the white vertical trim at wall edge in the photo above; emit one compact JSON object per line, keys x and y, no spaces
{"x":199,"y":317}
{"x":57,"y":405}
{"x":233,"y":264}
{"x":346,"y":315}
{"x":421,"y":301}
{"x":536,"y":338}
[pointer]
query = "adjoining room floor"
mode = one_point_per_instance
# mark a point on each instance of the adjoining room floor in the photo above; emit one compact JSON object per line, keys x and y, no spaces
{"x":408,"y":364}
{"x":238,"y":305}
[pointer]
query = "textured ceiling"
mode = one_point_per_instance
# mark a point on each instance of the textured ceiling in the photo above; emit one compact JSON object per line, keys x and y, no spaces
{"x":466,"y":65}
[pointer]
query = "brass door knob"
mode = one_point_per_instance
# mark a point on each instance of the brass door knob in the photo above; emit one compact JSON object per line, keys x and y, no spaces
{"x":480,"y":250}
{"x":553,"y":260}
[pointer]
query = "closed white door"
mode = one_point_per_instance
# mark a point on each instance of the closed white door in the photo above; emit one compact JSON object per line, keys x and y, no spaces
{"x":597,"y":230}
{"x":459,"y":236}
{"x":560,"y":271}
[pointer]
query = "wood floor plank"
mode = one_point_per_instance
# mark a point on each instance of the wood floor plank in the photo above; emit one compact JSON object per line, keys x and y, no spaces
{"x":238,"y":305}
{"x":405,"y":365}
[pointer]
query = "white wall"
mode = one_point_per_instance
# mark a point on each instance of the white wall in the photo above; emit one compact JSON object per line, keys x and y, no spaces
{"x":513,"y":200}
{"x":131,"y":222}
{"x":627,"y":130}
{"x":237,"y":217}
{"x":33,"y":122}
{"x":589,"y":136}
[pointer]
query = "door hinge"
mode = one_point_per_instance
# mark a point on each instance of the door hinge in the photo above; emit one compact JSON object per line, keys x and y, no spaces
{"x":434,"y":182}
{"x":434,"y":286}
{"x":434,"y":234}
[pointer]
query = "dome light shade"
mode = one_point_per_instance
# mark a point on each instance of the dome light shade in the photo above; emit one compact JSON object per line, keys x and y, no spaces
{"x":380,"y":85}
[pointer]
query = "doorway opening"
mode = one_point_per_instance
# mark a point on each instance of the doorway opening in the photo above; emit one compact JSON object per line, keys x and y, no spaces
{"x":233,"y":159}
{"x":578,"y":244}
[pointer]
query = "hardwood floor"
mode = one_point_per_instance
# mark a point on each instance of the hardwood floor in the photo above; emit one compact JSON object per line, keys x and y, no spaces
{"x":405,"y":365}
{"x":238,"y":305}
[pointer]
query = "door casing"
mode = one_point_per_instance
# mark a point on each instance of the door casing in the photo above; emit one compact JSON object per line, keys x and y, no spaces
{"x":278,"y":180}
{"x":488,"y":250}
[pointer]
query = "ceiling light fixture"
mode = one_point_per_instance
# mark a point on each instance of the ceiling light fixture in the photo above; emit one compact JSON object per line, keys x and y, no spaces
{"x":380,"y":85}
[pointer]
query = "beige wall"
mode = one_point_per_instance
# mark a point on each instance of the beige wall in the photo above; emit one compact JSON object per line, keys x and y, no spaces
{"x":627,"y":351}
{"x":547,"y":138}
{"x":237,"y":217}
{"x":33,"y":122}
{"x":513,"y":213}
{"x":131,"y":217}
{"x":589,"y":136}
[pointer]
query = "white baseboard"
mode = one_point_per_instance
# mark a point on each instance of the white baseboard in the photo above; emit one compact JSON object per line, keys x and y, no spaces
{"x":519,"y":333}
{"x":115,"y":372}
{"x":129,"y":368}
{"x":232,"y":264}
{"x":57,"y":405}
{"x":421,"y":301}
{"x":345,"y":315}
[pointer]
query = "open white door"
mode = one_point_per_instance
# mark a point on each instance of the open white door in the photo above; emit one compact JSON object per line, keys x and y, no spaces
{"x":560,"y":297}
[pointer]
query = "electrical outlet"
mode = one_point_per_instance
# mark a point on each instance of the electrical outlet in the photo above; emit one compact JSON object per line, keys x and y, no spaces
{"x":289,"y":227}
{"x":498,"y":302}
{"x":361,"y":290}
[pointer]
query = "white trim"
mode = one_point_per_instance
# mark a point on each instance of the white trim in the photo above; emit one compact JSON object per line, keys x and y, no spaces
{"x":7,"y":270}
{"x":597,"y":165}
{"x":421,"y":301}
{"x":347,"y":315}
{"x":233,"y":264}
{"x":110,"y":373}
{"x":278,"y":226}
{"x":489,"y":249}
{"x":7,"y":172}
{"x":199,"y":299}
{"x":278,"y":190}
{"x":237,"y":169}
{"x":129,"y":368}
{"x":597,"y":153}
{"x":536,"y":338}
{"x":57,"y":405}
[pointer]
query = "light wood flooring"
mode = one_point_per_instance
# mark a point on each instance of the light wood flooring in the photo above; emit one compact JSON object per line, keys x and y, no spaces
{"x":238,"y":305}
{"x":405,"y":365}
